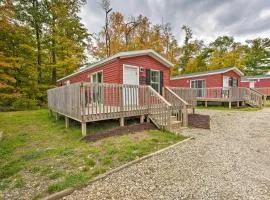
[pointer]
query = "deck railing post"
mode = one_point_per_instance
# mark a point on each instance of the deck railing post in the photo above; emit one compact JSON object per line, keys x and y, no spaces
{"x":84,"y":128}
{"x":67,"y":122}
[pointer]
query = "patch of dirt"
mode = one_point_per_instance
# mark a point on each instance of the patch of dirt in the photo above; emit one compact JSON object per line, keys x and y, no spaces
{"x":120,"y":131}
{"x":199,"y":121}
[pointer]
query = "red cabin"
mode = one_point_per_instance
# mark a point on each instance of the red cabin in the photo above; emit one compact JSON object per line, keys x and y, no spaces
{"x":227,"y":77}
{"x":143,"y":67}
{"x":260,"y":83}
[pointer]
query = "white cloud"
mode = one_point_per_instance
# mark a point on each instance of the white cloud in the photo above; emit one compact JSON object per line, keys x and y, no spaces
{"x":242,"y":19}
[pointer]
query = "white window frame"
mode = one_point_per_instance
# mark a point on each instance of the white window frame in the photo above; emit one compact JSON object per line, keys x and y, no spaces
{"x":101,"y":71}
{"x":197,"y":80}
{"x":152,"y":70}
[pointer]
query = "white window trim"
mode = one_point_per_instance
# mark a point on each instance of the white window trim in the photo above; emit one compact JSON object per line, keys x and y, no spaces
{"x":228,"y":81}
{"x":156,"y":82}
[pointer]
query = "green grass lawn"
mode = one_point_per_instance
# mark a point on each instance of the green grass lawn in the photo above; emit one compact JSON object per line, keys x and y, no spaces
{"x":39,"y":156}
{"x":226,"y":108}
{"x":267,"y":104}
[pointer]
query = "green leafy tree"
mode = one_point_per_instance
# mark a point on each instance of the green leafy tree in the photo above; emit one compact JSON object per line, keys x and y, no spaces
{"x":66,"y":37}
{"x":257,"y":59}
{"x":16,"y":66}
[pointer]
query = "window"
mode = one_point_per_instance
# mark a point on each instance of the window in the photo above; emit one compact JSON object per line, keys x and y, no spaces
{"x":233,"y":82}
{"x":97,"y":94}
{"x":198,"y":84}
{"x":97,"y":77}
{"x":155,"y":80}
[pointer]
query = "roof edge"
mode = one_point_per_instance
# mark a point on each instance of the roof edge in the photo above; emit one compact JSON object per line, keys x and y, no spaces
{"x":208,"y":73}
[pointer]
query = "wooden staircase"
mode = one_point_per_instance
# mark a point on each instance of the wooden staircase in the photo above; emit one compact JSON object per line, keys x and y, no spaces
{"x":254,"y":98}
{"x":168,"y":112}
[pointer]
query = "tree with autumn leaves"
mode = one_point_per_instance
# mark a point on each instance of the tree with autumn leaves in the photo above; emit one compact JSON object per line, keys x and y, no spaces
{"x":133,"y":34}
{"x":42,"y":41}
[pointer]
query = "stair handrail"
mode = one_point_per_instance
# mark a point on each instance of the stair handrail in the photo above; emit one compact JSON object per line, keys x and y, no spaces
{"x":177,"y":103}
{"x":191,"y":97}
{"x":159,"y":113}
{"x":255,"y":97}
{"x":176,"y":96}
{"x":254,"y":89}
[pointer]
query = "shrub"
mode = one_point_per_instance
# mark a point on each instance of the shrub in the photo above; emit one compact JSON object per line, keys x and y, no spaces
{"x":24,"y":104}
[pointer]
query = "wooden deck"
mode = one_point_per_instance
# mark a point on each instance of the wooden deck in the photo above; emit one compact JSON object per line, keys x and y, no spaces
{"x":86,"y":102}
{"x":230,"y":95}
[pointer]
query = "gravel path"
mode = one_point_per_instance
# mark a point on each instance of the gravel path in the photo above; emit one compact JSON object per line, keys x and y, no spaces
{"x":231,"y":161}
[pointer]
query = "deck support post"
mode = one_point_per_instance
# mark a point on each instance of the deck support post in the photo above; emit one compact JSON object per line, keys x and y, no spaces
{"x":230,"y":104}
{"x":50,"y":113}
{"x":83,"y":129}
{"x":67,"y":122}
{"x":148,"y":119}
{"x":185,"y":117}
{"x":56,"y":116}
{"x":122,"y":121}
{"x":237,"y":104}
{"x":193,"y":110}
{"x":205,"y":103}
{"x":142,"y":119}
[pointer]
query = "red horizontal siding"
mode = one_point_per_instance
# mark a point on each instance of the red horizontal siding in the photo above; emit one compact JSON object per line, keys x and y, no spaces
{"x":215,"y":80}
{"x":262,"y":83}
{"x":110,"y":74}
{"x":259,"y":83}
{"x":147,"y":62}
{"x":113,"y":71}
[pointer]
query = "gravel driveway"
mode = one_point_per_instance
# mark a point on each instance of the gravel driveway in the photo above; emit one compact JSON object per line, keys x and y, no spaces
{"x":231,"y":161}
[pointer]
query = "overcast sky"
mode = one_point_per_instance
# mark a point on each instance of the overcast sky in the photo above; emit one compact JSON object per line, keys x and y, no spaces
{"x":208,"y":18}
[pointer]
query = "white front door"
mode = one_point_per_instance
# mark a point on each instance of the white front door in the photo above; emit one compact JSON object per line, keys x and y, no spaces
{"x":131,"y":80}
{"x":252,"y":84}
{"x":225,"y":81}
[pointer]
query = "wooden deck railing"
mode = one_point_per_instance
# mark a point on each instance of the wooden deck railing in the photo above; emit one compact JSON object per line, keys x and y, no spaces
{"x":66,"y":100}
{"x":86,"y":102}
{"x":264,"y":90}
{"x":179,"y":105}
{"x":230,"y":94}
{"x":109,"y":101}
{"x":187,"y":94}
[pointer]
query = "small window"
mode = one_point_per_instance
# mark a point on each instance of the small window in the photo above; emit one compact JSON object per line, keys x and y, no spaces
{"x":234,"y":82}
{"x":197,"y":84}
{"x":200,"y":85}
{"x":155,"y":80}
{"x":97,"y":77}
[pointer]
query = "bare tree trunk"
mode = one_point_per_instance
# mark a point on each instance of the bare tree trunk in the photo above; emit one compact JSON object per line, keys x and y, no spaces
{"x":38,"y":43}
{"x":53,"y":52}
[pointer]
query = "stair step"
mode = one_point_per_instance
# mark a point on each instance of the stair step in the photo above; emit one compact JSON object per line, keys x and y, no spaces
{"x":173,"y":118}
